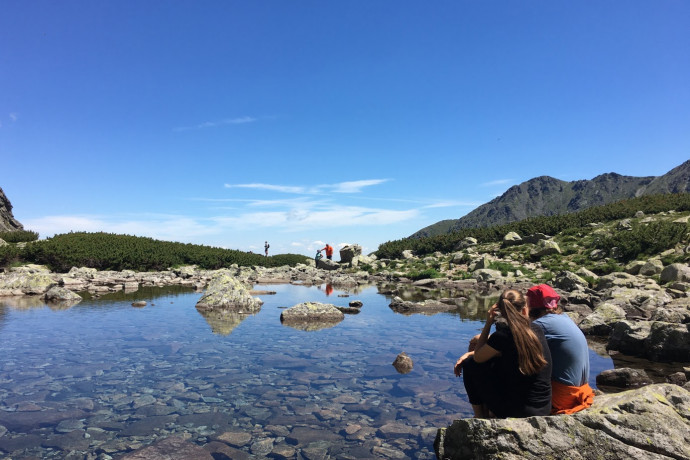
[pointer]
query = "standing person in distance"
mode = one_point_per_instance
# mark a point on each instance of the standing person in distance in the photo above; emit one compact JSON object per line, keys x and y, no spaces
{"x":329,"y":251}
{"x":568,"y":346}
{"x":509,"y":373}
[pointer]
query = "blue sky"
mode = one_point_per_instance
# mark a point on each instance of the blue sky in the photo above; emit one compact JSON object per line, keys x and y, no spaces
{"x":229,"y":123}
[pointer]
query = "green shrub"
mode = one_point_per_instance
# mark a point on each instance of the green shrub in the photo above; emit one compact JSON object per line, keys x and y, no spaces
{"x":644,"y":240}
{"x":424,"y":274}
{"x":503,"y":267}
{"x":19,"y":236}
{"x":9,"y":254}
{"x":105,"y":251}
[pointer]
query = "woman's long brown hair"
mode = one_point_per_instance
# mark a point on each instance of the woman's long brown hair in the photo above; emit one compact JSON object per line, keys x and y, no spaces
{"x":530,"y":353}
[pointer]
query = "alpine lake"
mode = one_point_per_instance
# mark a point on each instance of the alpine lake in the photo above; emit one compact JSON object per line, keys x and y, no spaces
{"x":102,"y":378}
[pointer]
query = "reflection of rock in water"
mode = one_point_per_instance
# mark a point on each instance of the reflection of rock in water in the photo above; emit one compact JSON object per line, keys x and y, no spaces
{"x":312,"y":326}
{"x":57,"y":305}
{"x":476,"y":306}
{"x":23,"y":302}
{"x":223,"y":321}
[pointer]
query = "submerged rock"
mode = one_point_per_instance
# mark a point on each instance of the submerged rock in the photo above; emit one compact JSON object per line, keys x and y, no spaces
{"x":650,"y":422}
{"x":61,"y":294}
{"x":172,"y":448}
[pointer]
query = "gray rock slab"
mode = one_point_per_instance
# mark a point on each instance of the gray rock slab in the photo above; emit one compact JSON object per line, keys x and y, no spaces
{"x":652,"y":422}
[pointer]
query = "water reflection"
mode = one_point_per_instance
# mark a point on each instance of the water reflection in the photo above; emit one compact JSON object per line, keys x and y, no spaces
{"x":22,"y":302}
{"x":223,"y":321}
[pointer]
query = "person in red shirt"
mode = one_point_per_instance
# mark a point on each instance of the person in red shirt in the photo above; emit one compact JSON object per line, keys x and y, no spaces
{"x":329,"y":251}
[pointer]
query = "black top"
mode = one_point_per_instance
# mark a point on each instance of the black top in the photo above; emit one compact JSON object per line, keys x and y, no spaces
{"x":520,"y":395}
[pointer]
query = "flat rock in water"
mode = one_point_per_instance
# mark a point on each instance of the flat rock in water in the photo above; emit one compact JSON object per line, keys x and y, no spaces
{"x":649,"y":422}
{"x":311,"y":316}
{"x":428,"y":307}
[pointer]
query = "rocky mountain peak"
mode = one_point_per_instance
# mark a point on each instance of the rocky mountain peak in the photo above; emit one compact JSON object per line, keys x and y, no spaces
{"x":7,"y":221}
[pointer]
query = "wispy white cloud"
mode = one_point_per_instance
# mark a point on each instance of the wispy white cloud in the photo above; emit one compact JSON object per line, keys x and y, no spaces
{"x":354,"y":186}
{"x":498,"y":182}
{"x":13,"y":116}
{"x":339,"y":187}
{"x":271,"y":187}
{"x":452,"y":204}
{"x":215,"y":124}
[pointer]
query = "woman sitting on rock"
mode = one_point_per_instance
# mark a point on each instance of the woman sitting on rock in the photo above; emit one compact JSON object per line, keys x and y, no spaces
{"x":509,"y":373}
{"x":570,"y":391}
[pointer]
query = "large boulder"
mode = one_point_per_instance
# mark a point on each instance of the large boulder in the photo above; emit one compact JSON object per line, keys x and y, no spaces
{"x":657,"y":341}
{"x":349,"y":252}
{"x":545,"y":248}
{"x":325,"y":264}
{"x":487,"y":274}
{"x":623,"y":377}
{"x":651,"y":267}
{"x":617,"y":279}
{"x":310,"y":316}
{"x":481,"y":263}
{"x":61,"y":294}
{"x":651,"y":422}
{"x":467,"y":242}
{"x":226,"y":291}
{"x":569,"y":281}
{"x":602,"y":320}
{"x":675,"y":272}
{"x":28,"y":283}
{"x":511,"y":239}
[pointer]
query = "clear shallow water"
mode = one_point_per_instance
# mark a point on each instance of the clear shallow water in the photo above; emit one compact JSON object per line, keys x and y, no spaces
{"x":103,"y":377}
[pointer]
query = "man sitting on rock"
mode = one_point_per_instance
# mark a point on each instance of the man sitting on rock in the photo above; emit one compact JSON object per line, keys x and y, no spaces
{"x":570,"y":391}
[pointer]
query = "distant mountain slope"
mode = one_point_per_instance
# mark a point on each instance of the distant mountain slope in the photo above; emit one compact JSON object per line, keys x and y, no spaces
{"x":7,"y":221}
{"x":547,"y":196}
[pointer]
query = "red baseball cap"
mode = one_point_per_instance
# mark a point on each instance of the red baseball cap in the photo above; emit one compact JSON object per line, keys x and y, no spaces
{"x":542,"y":296}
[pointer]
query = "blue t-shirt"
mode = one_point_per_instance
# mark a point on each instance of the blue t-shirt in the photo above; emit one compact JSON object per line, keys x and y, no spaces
{"x":568,"y":346}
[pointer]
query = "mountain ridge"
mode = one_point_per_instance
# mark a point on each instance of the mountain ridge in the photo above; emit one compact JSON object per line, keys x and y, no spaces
{"x":547,"y":196}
